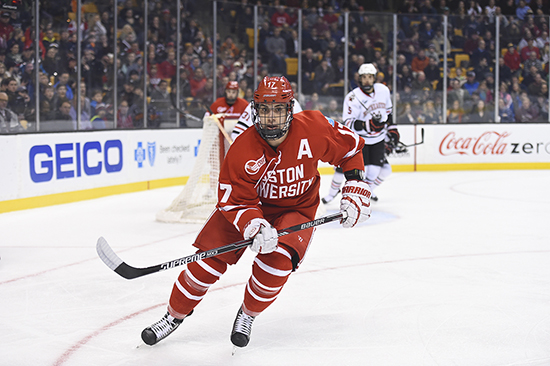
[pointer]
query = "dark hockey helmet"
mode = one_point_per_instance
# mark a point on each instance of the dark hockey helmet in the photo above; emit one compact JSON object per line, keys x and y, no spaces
{"x":272,"y":107}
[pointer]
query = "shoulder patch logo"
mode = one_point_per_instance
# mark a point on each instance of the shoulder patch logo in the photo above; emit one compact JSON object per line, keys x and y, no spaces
{"x":330,"y":120}
{"x":253,"y":166}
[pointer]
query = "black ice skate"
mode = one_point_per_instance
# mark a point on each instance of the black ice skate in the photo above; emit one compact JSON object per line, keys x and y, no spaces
{"x":374,"y":198}
{"x":242,"y":327}
{"x":161,"y":329}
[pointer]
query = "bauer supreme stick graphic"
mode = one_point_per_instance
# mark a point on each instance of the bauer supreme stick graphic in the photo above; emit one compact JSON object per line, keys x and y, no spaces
{"x":113,"y":261}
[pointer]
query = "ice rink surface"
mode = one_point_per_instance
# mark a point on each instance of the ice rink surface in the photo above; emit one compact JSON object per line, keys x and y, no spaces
{"x":453,"y":268}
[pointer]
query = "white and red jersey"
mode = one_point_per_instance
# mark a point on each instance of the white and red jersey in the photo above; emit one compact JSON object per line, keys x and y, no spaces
{"x":361,"y":106}
{"x":245,"y":120}
{"x":257,"y":179}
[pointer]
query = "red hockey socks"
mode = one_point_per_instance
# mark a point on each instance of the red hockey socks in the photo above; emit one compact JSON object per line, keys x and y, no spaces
{"x":192,"y":284}
{"x":269,"y":274}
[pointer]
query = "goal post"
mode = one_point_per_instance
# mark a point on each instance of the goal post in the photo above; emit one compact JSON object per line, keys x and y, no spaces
{"x":198,"y":198}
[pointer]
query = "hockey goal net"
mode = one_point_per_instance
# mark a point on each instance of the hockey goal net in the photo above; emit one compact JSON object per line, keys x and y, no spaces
{"x":198,"y":198}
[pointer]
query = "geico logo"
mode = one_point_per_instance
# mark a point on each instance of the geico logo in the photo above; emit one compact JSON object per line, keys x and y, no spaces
{"x":71,"y":160}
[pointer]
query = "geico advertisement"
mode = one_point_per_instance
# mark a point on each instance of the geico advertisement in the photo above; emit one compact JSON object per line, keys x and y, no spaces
{"x":53,"y":163}
{"x":486,"y":143}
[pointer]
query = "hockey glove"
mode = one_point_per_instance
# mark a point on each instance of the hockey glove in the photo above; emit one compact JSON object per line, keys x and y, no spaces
{"x":359,"y":125}
{"x":392,"y":140}
{"x":401,"y":148}
{"x":265,"y":236}
{"x":393,"y":135}
{"x":355,"y":202}
{"x":376,"y":124}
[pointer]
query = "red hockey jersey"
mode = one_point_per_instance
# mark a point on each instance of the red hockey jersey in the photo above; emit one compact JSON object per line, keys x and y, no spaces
{"x":232,"y":112}
{"x":257,"y":180}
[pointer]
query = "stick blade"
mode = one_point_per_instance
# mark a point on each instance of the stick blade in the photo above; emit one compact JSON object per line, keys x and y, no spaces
{"x":107,"y":255}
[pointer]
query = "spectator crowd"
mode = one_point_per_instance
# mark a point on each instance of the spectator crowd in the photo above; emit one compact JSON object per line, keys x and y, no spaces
{"x":471,"y":42}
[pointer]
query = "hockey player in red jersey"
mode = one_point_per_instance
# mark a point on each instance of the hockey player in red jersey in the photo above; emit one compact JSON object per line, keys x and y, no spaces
{"x":268,"y":181}
{"x":230,"y":104}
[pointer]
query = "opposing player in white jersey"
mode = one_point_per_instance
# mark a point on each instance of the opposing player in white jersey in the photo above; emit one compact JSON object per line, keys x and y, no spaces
{"x":368,"y":112}
{"x":245,"y":119}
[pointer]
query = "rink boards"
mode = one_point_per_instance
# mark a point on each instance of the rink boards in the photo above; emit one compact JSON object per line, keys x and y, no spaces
{"x":45,"y":169}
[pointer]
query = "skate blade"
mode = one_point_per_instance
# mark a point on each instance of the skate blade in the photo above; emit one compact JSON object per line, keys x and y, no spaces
{"x":141,"y":344}
{"x":234,"y":350}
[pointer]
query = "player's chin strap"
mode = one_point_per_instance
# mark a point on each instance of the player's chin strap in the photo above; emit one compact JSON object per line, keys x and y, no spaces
{"x":370,"y":90}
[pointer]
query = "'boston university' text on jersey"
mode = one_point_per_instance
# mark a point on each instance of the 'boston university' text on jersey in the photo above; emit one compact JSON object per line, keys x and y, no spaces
{"x":257,"y":179}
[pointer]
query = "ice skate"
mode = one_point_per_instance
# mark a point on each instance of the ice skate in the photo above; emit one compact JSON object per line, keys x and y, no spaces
{"x":242,"y":327}
{"x":161,"y":329}
{"x":328,"y":198}
{"x":373,"y":197}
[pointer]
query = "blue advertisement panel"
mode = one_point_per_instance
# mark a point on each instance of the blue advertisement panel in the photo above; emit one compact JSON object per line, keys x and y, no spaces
{"x":34,"y":165}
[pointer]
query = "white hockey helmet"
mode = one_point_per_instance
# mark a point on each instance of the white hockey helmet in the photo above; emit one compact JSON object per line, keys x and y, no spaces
{"x":367,"y":69}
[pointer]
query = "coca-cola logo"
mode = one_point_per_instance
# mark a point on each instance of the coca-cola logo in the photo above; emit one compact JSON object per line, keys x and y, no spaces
{"x":488,"y":143}
{"x":253,"y":166}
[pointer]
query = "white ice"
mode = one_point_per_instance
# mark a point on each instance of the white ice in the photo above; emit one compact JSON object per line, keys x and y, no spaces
{"x":453,"y":268}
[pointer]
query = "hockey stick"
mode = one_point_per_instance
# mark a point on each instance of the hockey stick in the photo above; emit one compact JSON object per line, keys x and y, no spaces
{"x":220,"y":127}
{"x":181,"y":111}
{"x":416,"y":143}
{"x":113,"y":261}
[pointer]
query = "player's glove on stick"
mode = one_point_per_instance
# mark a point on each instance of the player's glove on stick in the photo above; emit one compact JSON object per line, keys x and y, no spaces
{"x":375,"y":123}
{"x":265,"y":236}
{"x":392,"y":140}
{"x":359,"y":125}
{"x":355,"y":202}
{"x":393,"y":135}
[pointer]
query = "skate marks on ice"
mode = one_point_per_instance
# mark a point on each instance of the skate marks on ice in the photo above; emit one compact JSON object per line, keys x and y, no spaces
{"x":453,"y":273}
